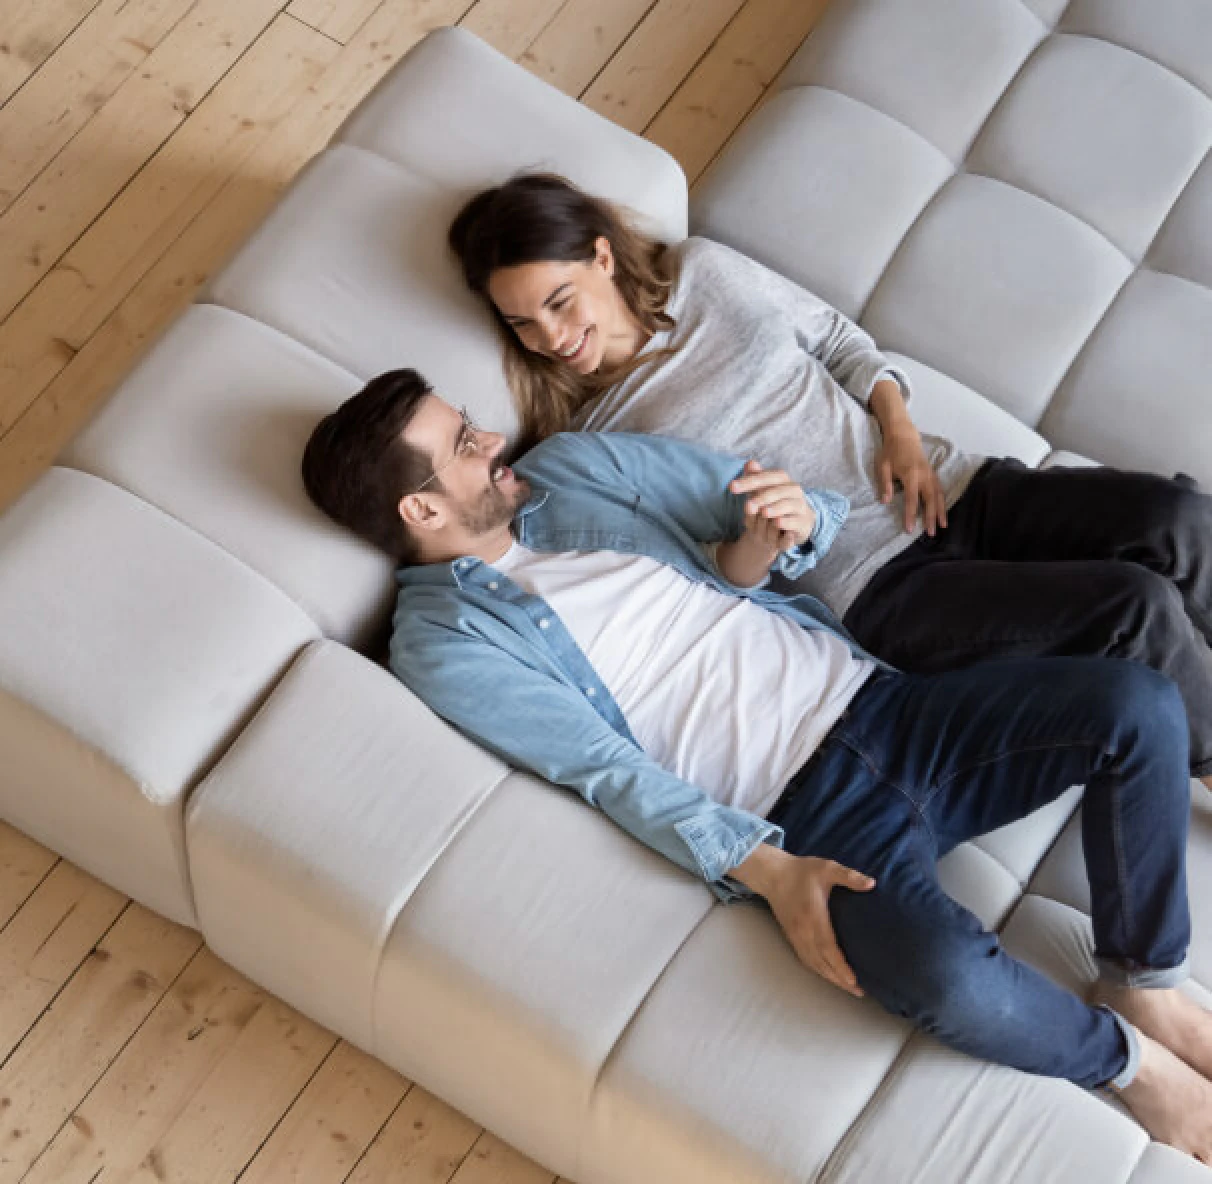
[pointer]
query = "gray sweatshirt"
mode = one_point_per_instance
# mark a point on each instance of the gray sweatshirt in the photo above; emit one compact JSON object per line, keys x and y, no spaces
{"x":763,"y":369}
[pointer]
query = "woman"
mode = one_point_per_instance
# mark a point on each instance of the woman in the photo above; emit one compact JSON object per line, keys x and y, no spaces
{"x":608,"y":330}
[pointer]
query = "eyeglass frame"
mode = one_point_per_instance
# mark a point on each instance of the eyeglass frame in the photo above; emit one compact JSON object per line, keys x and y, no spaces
{"x":469,"y":445}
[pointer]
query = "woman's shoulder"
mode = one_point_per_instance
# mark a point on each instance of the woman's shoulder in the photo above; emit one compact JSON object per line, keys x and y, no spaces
{"x":706,"y":259}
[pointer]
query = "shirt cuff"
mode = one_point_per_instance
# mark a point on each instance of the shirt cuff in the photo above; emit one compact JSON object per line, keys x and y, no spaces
{"x":719,"y":841}
{"x":831,"y":510}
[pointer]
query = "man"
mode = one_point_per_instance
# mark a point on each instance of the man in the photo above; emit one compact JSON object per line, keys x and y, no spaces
{"x":598,"y":616}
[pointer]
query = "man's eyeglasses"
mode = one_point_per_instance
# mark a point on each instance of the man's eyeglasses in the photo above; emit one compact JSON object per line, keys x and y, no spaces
{"x":467,"y":443}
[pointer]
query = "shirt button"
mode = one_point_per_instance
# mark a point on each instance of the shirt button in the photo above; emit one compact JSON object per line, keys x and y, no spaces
{"x":545,"y":622}
{"x":493,"y":586}
{"x":590,"y":692}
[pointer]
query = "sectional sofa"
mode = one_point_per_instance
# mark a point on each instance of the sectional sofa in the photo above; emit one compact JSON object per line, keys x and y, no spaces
{"x":1013,"y":197}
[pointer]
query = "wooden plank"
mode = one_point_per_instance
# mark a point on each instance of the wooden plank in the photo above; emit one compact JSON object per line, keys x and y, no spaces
{"x":212,"y":146}
{"x":511,"y":26}
{"x":83,"y":378}
{"x":655,"y":58}
{"x":44,"y":221}
{"x":47,"y":939}
{"x":76,"y":1038}
{"x":584,"y":35}
{"x":24,"y":864}
{"x":725,"y":86}
{"x":338,"y":19}
{"x":99,"y":56}
{"x":494,"y":1162}
{"x":424,"y":1142}
{"x":31,"y":32}
{"x":331,"y":1125}
{"x":154,"y":1079}
{"x":222,"y":1123}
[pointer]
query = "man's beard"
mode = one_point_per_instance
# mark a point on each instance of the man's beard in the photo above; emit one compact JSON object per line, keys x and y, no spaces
{"x":493,"y":509}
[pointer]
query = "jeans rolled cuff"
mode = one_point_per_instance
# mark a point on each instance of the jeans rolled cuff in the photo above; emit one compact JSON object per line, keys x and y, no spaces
{"x":1150,"y":977}
{"x":1127,"y":1074}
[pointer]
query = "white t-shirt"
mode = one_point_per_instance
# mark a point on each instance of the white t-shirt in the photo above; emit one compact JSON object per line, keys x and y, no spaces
{"x":716,"y":689}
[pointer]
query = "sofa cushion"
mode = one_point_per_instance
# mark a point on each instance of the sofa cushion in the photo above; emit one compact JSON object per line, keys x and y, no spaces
{"x":998,"y":289}
{"x":149,"y":648}
{"x":1101,"y":132}
{"x":1138,"y":395}
{"x":210,"y":427}
{"x":821,"y":188}
{"x":353,"y":263}
{"x":497,"y":119}
{"x":937,"y":66}
{"x":741,"y":1065}
{"x":949,"y":1119}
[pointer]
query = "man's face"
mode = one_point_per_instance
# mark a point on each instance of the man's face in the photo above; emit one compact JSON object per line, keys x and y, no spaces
{"x":475,"y":495}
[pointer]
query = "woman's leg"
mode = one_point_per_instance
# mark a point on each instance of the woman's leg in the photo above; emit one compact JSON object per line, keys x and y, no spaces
{"x":930,"y":611}
{"x":1163,"y":524}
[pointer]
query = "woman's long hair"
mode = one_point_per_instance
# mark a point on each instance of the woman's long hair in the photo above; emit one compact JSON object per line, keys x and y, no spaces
{"x":543,"y":218}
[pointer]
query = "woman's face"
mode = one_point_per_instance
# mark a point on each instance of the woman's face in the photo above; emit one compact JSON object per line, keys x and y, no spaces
{"x":568,"y":311}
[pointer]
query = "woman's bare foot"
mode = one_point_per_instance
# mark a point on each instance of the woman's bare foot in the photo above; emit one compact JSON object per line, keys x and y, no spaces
{"x":1171,"y":1101}
{"x":1168,"y":1016}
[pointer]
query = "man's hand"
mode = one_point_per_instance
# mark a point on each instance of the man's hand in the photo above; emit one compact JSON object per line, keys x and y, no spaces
{"x":797,"y":888}
{"x":902,"y":458}
{"x":777,"y":517}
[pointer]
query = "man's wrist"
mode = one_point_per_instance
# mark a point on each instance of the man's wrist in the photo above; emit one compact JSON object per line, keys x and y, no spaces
{"x":745,"y":561}
{"x":762,"y":869}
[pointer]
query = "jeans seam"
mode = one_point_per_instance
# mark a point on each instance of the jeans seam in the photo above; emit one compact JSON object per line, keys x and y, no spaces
{"x":1121,"y":872}
{"x":992,"y":758}
{"x":883,"y":779}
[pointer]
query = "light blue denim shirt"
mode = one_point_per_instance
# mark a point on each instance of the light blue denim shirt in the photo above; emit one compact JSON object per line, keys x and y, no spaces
{"x":499,"y":664}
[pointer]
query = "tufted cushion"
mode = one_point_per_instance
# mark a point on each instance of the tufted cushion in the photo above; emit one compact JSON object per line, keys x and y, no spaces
{"x":1016,"y":193}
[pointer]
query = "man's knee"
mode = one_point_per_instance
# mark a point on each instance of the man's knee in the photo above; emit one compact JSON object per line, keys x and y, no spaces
{"x":1132,"y":701}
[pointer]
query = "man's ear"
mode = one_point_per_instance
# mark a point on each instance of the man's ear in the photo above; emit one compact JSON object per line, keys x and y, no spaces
{"x":603,"y":255}
{"x":419,"y":513}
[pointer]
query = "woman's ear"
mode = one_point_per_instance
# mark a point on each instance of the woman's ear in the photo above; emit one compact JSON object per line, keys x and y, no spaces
{"x":603,"y":255}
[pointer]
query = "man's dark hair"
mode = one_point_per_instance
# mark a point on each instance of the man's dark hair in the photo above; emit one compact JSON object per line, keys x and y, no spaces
{"x":357,"y":465}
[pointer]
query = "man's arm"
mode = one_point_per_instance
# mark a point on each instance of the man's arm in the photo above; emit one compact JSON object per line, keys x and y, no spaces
{"x":536,"y":721}
{"x":689,"y":484}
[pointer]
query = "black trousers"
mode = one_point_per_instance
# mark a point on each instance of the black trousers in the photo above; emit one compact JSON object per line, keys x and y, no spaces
{"x":1057,"y":561}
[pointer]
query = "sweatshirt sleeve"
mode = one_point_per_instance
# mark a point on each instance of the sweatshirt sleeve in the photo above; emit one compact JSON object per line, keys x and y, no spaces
{"x":848,"y":352}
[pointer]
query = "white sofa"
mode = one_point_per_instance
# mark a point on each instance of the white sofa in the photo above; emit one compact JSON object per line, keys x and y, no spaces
{"x":1013,"y":208}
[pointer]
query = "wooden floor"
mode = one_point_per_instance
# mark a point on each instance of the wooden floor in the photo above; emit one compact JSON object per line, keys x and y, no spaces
{"x":140,"y":141}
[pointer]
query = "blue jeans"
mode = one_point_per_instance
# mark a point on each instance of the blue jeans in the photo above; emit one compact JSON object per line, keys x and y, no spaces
{"x":921,"y":763}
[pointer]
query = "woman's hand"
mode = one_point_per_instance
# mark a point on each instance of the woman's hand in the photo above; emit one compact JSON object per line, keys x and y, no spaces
{"x":776,"y":512}
{"x":777,"y":517}
{"x":902,"y":458}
